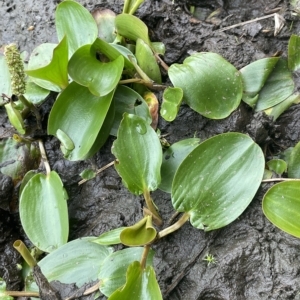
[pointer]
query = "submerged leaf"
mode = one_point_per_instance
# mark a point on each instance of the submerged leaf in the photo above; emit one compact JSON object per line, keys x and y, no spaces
{"x":217,"y":181}
{"x":211,"y":85}
{"x":281,"y":206}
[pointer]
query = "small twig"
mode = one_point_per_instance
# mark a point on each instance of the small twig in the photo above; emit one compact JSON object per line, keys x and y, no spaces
{"x":161,"y":62}
{"x":22,"y":294}
{"x":150,"y":85}
{"x":97,"y":172}
{"x":173,"y":217}
{"x":44,"y":157}
{"x":246,"y":22}
{"x":280,"y":179}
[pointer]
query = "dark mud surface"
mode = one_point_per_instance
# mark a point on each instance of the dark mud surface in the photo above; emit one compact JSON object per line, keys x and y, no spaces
{"x":255,"y":260}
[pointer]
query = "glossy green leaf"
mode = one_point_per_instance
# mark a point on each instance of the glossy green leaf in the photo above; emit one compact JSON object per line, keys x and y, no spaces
{"x":5,"y":82}
{"x":78,"y":262}
{"x":294,"y":162}
{"x":101,"y":78}
{"x":279,"y":166}
{"x":113,"y":271}
{"x":281,"y":206}
{"x":15,"y":117}
{"x":75,"y":22}
{"x":16,"y":159}
{"x":278,"y":109}
{"x":254,"y":77}
{"x":111,"y":237}
{"x":139,"y":154}
{"x":147,"y":61}
{"x":132,"y":28}
{"x":159,"y":48}
{"x":56,"y":71}
{"x":40,"y":57}
{"x":294,"y":53}
{"x":139,"y":234}
{"x":113,"y":51}
{"x":80,"y":115}
{"x":105,"y":20}
{"x":172,"y":158}
{"x":211,"y":85}
{"x":44,"y":211}
{"x":127,"y":100}
{"x":35,"y":94}
{"x":218,"y":179}
{"x":278,"y":87}
{"x":88,"y":174}
{"x":141,"y":284}
{"x":172,"y":99}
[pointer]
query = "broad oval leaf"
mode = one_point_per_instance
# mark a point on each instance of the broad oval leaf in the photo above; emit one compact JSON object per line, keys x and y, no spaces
{"x":278,"y":87}
{"x":218,"y":179}
{"x":56,"y":71}
{"x":211,"y":85}
{"x":172,"y":99}
{"x":80,"y":115}
{"x":294,"y":162}
{"x":141,"y":284}
{"x":279,"y":166}
{"x":147,"y":61}
{"x":294,"y":53}
{"x":113,"y":270}
{"x":101,"y":78}
{"x":44,"y":211}
{"x":254,"y":77}
{"x":281,"y":206}
{"x":172,"y":158}
{"x":40,"y":57}
{"x":78,"y":262}
{"x":75,"y":22}
{"x":139,"y":234}
{"x":35,"y":94}
{"x":128,"y":100}
{"x":132,"y":28}
{"x":139,"y":154}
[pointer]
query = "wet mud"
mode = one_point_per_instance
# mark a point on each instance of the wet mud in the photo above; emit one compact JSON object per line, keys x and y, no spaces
{"x":255,"y":260}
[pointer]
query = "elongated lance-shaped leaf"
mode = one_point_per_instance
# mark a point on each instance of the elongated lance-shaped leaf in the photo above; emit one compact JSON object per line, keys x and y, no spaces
{"x":80,"y":115}
{"x":132,"y":28}
{"x":56,"y":72}
{"x":217,"y":181}
{"x":254,"y":77}
{"x":139,"y":154}
{"x":281,"y":206}
{"x":75,"y":22}
{"x":294,"y":53}
{"x":294,"y":162}
{"x":113,"y":270}
{"x":100,"y":78}
{"x":141,"y":284}
{"x":78,"y":262}
{"x":211,"y":85}
{"x":44,"y":211}
{"x":15,"y":117}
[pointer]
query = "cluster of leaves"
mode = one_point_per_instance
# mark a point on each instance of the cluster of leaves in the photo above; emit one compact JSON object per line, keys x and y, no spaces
{"x":104,"y":69}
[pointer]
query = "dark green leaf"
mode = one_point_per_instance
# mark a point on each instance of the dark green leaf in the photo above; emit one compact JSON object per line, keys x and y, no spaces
{"x":281,"y":205}
{"x":172,"y":158}
{"x":87,"y":70}
{"x":44,"y":211}
{"x":294,"y":53}
{"x":141,"y":284}
{"x":15,"y":117}
{"x":211,"y":85}
{"x":56,"y":71}
{"x":113,"y":271}
{"x":278,"y":166}
{"x":172,"y":99}
{"x":218,"y":179}
{"x":139,"y":154}
{"x":80,"y":115}
{"x":75,"y":22}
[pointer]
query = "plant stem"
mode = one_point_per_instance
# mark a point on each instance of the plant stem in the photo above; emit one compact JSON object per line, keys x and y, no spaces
{"x":174,"y":227}
{"x":23,"y":250}
{"x":152,"y":208}
{"x":33,"y":109}
{"x":150,"y":85}
{"x":144,"y":256}
{"x":161,"y":62}
{"x":135,"y":6}
{"x":22,"y":294}
{"x":280,"y":179}
{"x":126,"y":6}
{"x":97,"y":172}
{"x":44,"y":157}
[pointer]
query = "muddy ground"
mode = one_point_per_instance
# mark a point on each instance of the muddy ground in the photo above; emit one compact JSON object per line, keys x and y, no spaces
{"x":255,"y":260}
